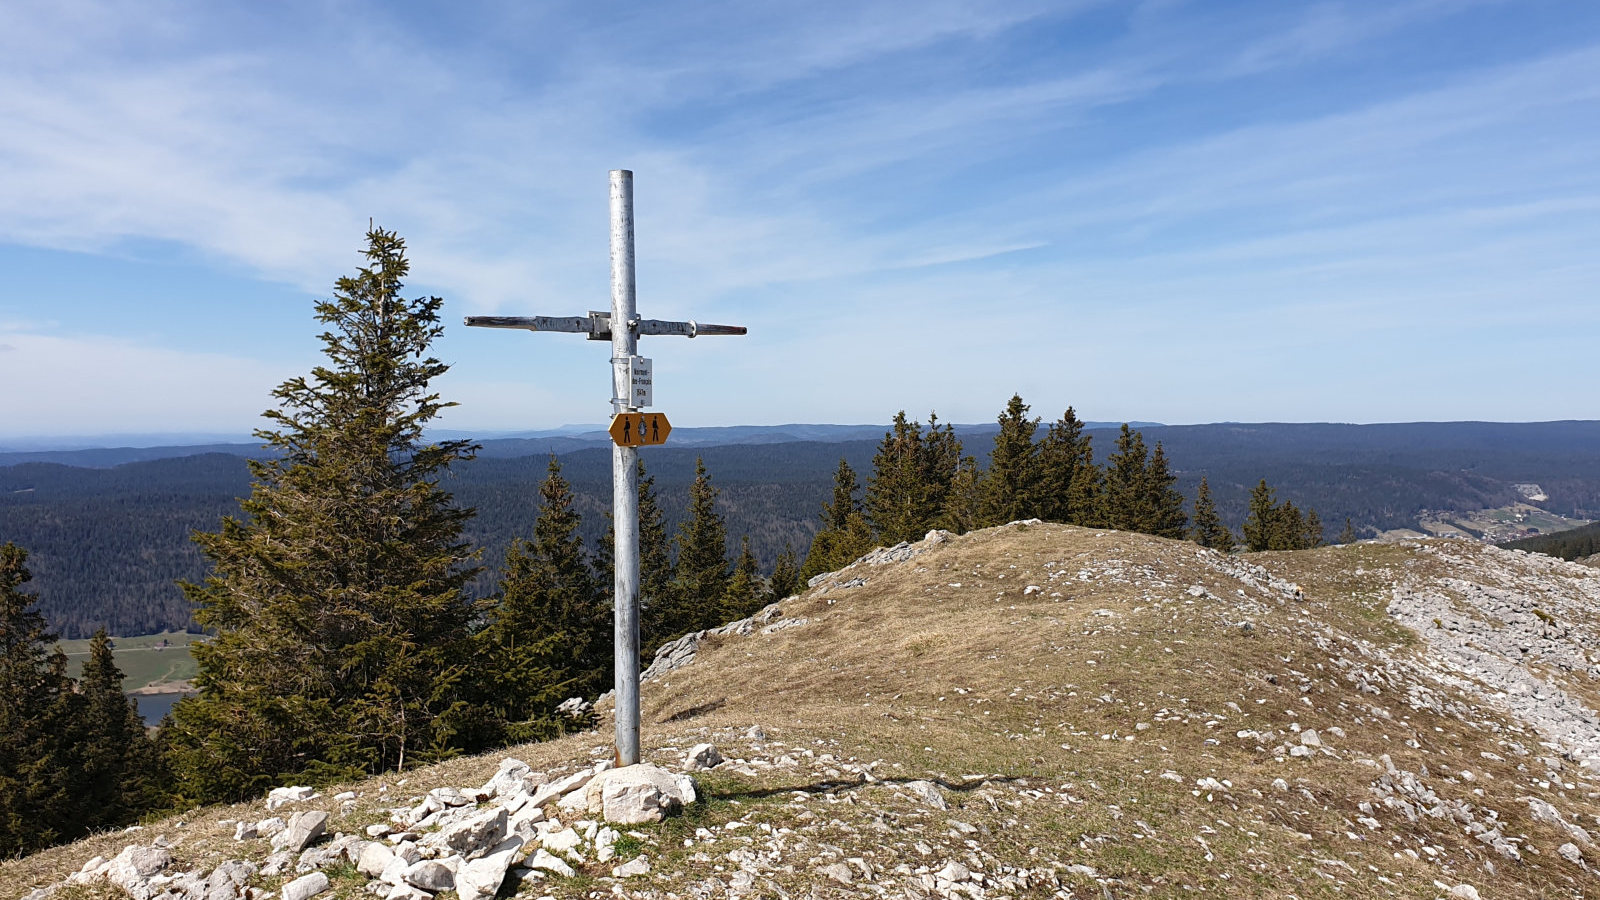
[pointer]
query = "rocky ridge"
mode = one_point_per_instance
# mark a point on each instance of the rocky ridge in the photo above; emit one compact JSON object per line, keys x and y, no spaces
{"x":1032,"y":711}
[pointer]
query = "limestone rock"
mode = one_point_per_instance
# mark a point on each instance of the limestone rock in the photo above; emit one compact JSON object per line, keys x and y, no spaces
{"x":561,"y":841}
{"x":561,"y":787}
{"x":542,"y":859}
{"x":244,"y":831}
{"x":136,"y":864}
{"x":702,"y":756}
{"x":375,"y":856}
{"x":839,"y":872}
{"x":430,"y":875}
{"x":640,"y":793}
{"x":303,"y":829}
{"x":285,"y":795}
{"x":928,"y":792}
{"x":480,"y":878}
{"x":512,"y":778}
{"x":639,"y":865}
{"x":305,"y":886}
{"x":471,"y":836}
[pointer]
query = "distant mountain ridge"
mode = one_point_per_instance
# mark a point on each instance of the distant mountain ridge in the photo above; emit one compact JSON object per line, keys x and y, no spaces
{"x":108,"y":542}
{"x":500,"y":444}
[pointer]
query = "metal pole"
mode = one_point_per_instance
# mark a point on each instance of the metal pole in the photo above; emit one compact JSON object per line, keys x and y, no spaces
{"x":624,"y":472}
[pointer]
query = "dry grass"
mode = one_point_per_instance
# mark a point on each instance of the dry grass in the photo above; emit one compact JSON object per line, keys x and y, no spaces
{"x":1051,"y":716}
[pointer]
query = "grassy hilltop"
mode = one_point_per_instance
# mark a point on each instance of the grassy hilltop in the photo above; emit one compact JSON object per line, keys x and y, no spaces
{"x":1099,"y":714}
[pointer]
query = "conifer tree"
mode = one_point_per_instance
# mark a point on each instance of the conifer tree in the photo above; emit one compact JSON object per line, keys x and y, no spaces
{"x":1160,"y":497}
{"x":337,"y":599}
{"x":1068,"y":477}
{"x":911,"y":476}
{"x":747,"y":590}
{"x":836,"y":513}
{"x":1312,"y":535}
{"x":1348,"y":534}
{"x":120,"y":776}
{"x":941,"y":458}
{"x":1261,"y":521}
{"x":1126,"y":507}
{"x":549,"y":637}
{"x":655,"y":566}
{"x":1208,"y":530}
{"x":845,"y":535}
{"x":1010,"y":487}
{"x":702,"y":568}
{"x":785,"y":581}
{"x":960,"y":513}
{"x":39,"y":722}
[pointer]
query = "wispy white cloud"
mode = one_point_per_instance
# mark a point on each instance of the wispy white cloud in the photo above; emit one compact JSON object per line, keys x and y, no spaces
{"x":845,"y":160}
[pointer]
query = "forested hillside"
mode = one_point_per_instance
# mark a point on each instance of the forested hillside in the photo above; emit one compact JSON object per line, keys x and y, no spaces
{"x":107,"y":544}
{"x":1576,"y":543}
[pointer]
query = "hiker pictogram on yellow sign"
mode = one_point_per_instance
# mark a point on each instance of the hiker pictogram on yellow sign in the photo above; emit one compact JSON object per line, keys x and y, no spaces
{"x":640,"y":429}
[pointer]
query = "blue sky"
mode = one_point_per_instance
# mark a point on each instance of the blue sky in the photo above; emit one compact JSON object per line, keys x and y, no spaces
{"x":1170,"y":211}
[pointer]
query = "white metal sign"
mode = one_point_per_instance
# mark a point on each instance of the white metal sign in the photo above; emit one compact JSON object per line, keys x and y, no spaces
{"x":639,"y":375}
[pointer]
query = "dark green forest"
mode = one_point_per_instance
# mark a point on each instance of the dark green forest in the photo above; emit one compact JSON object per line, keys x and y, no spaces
{"x":1575,"y":543}
{"x":107,"y":544}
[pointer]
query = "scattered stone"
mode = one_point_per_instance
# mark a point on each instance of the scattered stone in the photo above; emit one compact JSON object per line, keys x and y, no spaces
{"x":756,"y":733}
{"x":285,"y":795}
{"x":430,"y":875}
{"x":542,"y":859}
{"x":305,"y":886}
{"x":640,"y":793}
{"x":702,"y":756}
{"x":839,"y":872}
{"x":929,"y":793}
{"x":302,"y":831}
{"x":639,"y":865}
{"x":1570,"y":852}
{"x":1464,"y":892}
{"x":472,"y":836}
{"x":480,"y":878}
{"x":1310,"y":738}
{"x":374,"y":858}
{"x":245,"y":831}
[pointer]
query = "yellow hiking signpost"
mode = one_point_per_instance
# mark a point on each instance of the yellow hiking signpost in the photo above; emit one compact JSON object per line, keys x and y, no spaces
{"x":640,"y":429}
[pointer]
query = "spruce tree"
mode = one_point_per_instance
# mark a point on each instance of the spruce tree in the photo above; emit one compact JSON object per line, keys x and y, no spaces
{"x":747,"y":590}
{"x":1010,"y":487}
{"x":1126,"y":506}
{"x":702,"y":568}
{"x":1165,"y":516}
{"x":836,"y":513}
{"x":1347,"y":535}
{"x":1312,"y":535}
{"x":549,"y":637}
{"x":911,"y":476}
{"x":120,"y":772}
{"x":845,"y":535}
{"x":40,"y":723}
{"x":1068,"y":477}
{"x":1208,"y":530}
{"x":785,"y":580}
{"x":960,"y":514}
{"x":1261,"y":522}
{"x":337,"y":598}
{"x":655,"y":566}
{"x":940,"y":460}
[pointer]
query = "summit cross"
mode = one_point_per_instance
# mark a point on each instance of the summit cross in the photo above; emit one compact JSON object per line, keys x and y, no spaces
{"x":631,"y":389}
